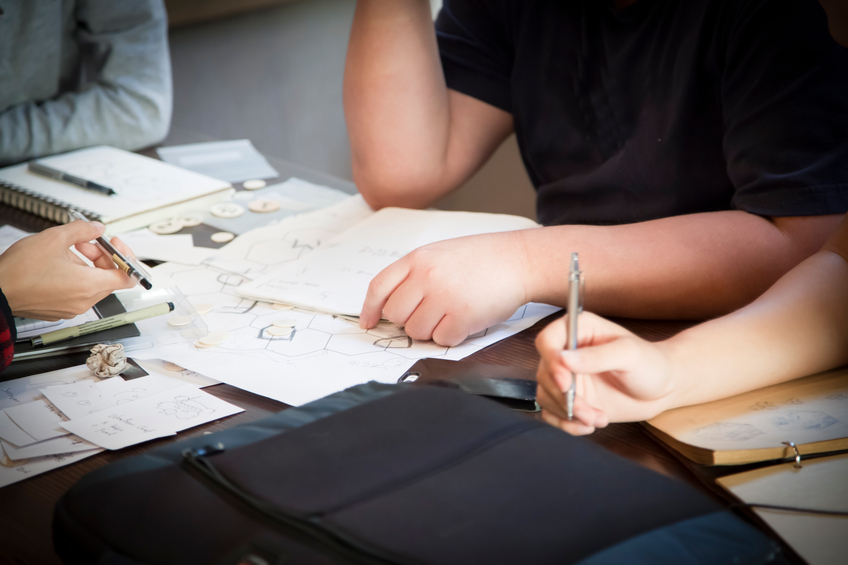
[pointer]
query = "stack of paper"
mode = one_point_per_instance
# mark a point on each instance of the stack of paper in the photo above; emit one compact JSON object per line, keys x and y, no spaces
{"x":53,"y":419}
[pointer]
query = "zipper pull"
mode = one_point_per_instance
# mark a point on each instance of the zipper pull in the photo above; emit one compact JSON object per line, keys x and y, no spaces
{"x":204,"y":451}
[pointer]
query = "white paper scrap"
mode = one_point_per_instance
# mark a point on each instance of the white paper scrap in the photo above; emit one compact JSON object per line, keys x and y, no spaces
{"x":155,"y":416}
{"x":26,"y":389}
{"x":38,"y":418}
{"x":65,"y":444}
{"x":12,"y":471}
{"x":175,"y":248}
{"x":12,"y":432}
{"x":77,"y":400}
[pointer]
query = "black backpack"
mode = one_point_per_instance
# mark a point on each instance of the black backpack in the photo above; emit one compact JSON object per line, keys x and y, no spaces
{"x":394,"y":474}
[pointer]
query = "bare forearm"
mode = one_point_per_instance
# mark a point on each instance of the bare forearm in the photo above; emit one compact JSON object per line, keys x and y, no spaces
{"x":798,"y":327}
{"x":687,"y":267}
{"x":412,"y":139}
{"x":396,"y":102}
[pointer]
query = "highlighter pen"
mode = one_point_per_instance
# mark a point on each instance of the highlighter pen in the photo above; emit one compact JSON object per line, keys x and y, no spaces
{"x":104,"y":324}
{"x":127,"y":264}
{"x":43,"y":170}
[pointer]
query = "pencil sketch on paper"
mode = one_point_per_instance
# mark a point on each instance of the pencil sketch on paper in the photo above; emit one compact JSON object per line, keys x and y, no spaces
{"x":764,"y":405}
{"x":183,"y":407}
{"x":727,"y":431}
{"x":323,"y":353}
{"x":800,"y":420}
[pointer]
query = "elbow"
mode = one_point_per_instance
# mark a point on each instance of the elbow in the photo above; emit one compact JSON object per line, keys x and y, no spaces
{"x":381,"y":187}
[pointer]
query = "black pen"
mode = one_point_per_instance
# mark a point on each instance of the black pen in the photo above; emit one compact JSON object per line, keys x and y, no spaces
{"x":127,"y":264}
{"x":55,"y":174}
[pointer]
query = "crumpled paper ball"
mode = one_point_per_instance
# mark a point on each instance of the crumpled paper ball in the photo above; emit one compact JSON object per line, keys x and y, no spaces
{"x":107,"y":360}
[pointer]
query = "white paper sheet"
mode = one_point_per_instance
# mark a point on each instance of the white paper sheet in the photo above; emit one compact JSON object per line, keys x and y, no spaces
{"x":12,"y":471}
{"x":78,"y":400}
{"x":295,"y":196}
{"x":159,"y":415}
{"x":26,"y":389}
{"x":324,"y":353}
{"x":232,"y":161}
{"x":12,"y":432}
{"x":335,"y":278}
{"x":185,"y":375}
{"x":65,"y":444}
{"x":38,"y":418}
{"x":177,"y":248}
{"x":820,"y":484}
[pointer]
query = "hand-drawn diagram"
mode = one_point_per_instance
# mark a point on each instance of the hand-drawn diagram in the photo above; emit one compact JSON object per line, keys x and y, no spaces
{"x":323,"y":353}
{"x":797,"y":420}
{"x":183,"y":407}
{"x":727,"y":431}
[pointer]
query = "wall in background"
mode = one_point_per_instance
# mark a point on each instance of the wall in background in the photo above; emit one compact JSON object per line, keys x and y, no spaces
{"x":274,"y":76}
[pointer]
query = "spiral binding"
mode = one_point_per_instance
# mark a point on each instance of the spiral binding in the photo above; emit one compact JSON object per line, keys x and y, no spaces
{"x":22,"y":198}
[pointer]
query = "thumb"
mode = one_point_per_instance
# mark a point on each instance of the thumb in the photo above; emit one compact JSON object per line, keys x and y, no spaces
{"x":79,"y":231}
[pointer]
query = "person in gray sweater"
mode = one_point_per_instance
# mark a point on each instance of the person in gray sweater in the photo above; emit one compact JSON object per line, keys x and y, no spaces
{"x":77,"y":73}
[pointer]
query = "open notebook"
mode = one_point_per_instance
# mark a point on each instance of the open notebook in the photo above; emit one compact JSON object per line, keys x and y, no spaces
{"x":334,"y":278}
{"x":811,"y":412}
{"x":147,"y":189}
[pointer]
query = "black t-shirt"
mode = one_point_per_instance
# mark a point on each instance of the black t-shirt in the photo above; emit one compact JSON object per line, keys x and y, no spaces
{"x":662,"y":108}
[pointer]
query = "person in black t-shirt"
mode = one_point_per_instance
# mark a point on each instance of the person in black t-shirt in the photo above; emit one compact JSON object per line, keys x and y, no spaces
{"x":797,"y":328}
{"x":691,"y":151}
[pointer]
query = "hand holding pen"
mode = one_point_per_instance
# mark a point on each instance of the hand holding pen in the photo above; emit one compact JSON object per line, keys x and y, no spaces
{"x":43,"y":279}
{"x":125,"y":262}
{"x":622,"y":378}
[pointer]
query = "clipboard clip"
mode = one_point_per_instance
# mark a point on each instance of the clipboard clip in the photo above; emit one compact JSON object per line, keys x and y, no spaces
{"x":797,"y":453}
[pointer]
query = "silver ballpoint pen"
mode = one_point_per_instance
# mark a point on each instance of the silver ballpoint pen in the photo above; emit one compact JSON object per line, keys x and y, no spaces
{"x":575,"y":306}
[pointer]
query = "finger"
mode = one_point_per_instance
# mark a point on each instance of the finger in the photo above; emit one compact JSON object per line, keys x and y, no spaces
{"x":78,"y":231}
{"x":583,"y":412}
{"x":551,"y":376}
{"x":95,"y":255}
{"x":106,"y":281}
{"x":618,"y":355}
{"x":450,"y":330}
{"x":118,"y":244}
{"x":574,"y":428}
{"x":595,"y":330}
{"x":75,"y":259}
{"x":551,"y":340}
{"x":423,"y":322}
{"x":379,"y":290}
{"x":402,"y":303}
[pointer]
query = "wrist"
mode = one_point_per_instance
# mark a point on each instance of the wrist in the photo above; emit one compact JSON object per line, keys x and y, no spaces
{"x":679,"y":389}
{"x":530,"y":271}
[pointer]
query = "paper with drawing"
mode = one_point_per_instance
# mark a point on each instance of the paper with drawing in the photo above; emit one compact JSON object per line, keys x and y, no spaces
{"x":323,"y":353}
{"x":334,"y":279}
{"x":811,"y":409}
{"x":159,"y":415}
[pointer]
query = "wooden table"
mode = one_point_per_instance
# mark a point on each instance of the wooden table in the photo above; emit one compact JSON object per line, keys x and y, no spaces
{"x":26,"y":508}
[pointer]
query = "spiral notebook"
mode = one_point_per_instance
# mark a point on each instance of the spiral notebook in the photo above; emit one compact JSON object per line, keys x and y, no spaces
{"x":146,"y":189}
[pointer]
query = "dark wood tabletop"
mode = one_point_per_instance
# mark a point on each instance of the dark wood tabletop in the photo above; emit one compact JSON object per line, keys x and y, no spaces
{"x":26,"y":508}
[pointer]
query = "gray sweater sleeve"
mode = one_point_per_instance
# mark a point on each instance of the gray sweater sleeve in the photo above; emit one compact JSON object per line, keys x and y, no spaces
{"x":125,"y":103}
